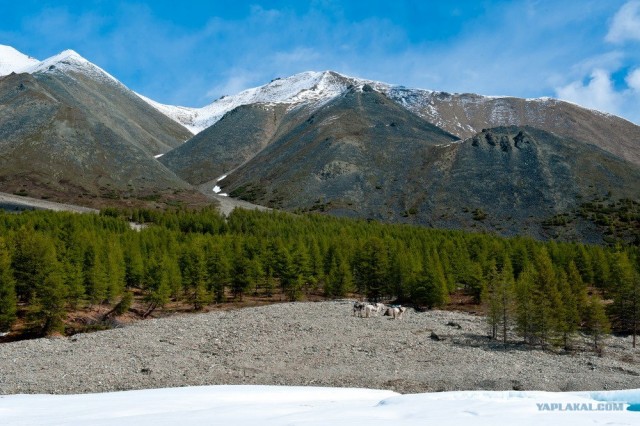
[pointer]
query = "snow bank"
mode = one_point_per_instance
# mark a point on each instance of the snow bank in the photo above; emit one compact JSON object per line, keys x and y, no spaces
{"x":273,"y":405}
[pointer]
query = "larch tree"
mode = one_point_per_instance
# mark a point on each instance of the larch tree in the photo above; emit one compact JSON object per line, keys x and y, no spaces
{"x":8,"y":299}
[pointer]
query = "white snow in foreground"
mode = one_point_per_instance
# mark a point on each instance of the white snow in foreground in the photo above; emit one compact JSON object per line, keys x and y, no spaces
{"x":273,"y":405}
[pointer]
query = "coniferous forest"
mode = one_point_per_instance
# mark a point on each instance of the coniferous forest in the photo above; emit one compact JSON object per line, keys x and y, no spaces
{"x":53,"y":263}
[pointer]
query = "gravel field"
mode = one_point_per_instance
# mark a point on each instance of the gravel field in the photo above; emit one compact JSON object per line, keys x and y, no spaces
{"x":319,"y":344}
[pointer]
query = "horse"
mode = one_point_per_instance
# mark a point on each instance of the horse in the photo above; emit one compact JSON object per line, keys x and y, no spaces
{"x":395,"y":312}
{"x":358,"y":307}
{"x":369,"y":310}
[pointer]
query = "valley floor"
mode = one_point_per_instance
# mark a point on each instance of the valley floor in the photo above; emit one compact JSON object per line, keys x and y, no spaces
{"x":307,"y":344}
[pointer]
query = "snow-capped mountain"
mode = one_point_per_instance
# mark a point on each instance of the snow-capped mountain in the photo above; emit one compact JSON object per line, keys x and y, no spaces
{"x":461,"y":114}
{"x":13,"y":61}
{"x":308,"y":88}
{"x":67,"y":126}
{"x":70,"y":61}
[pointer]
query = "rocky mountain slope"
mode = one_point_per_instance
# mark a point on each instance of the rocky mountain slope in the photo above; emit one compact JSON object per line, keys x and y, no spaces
{"x":68,"y":127}
{"x":467,"y":114}
{"x":362,"y":154}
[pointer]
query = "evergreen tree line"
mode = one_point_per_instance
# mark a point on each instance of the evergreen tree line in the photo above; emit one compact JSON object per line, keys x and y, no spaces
{"x":52,"y":263}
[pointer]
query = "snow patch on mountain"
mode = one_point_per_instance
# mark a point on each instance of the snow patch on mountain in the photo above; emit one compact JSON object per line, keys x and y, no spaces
{"x":12,"y":60}
{"x":183,"y":115}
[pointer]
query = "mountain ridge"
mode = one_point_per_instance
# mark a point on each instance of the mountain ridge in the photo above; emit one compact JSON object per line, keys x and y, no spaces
{"x":461,"y":114}
{"x":320,"y":141}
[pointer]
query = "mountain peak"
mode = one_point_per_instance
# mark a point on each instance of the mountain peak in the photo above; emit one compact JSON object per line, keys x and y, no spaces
{"x":70,"y":60}
{"x":65,"y":59}
{"x":12,"y":60}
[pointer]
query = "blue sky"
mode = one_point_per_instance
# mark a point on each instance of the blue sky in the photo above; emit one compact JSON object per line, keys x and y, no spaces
{"x":192,"y":52}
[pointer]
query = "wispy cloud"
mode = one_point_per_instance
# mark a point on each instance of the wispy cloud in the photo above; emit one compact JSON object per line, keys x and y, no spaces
{"x":633,"y":80}
{"x":626,"y":24}
{"x":235,"y":81}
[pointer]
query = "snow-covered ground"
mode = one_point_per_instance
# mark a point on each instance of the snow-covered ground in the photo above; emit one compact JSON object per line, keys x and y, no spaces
{"x":272,"y":405}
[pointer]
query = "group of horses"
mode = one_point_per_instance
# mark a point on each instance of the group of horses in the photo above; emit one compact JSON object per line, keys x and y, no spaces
{"x":366,"y":310}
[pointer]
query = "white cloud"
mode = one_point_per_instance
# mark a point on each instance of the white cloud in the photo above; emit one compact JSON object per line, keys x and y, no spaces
{"x":626,"y":23}
{"x":598,"y":93}
{"x":633,"y":79}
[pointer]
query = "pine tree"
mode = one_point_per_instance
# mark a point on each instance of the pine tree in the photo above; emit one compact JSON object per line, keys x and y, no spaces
{"x":626,"y":306}
{"x":525,"y":285}
{"x":569,"y":315}
{"x":74,"y":281}
{"x":597,"y":324}
{"x":338,"y":278}
{"x":95,"y":274}
{"x":40,"y":274}
{"x":302,"y":267}
{"x":546,"y":300}
{"x":174,"y":277}
{"x":499,"y":297}
{"x":158,"y":289}
{"x":218,"y":272}
{"x":372,"y":267}
{"x":601,"y":272}
{"x":507,"y":295}
{"x":8,"y":299}
{"x":134,"y":264}
{"x":430,"y":286}
{"x":50,"y":301}
{"x":578,"y":288}
{"x":194,"y":274}
{"x":115,"y":269}
{"x":48,"y":305}
{"x":72,"y":264}
{"x":491,"y":299}
{"x":241,"y":275}
{"x":26,"y":263}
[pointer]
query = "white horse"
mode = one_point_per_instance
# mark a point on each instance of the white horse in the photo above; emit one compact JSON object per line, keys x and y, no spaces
{"x":395,"y":312}
{"x":369,"y":310}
